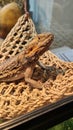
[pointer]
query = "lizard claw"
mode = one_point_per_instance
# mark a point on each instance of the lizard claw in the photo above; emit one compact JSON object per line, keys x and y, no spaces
{"x":33,"y":83}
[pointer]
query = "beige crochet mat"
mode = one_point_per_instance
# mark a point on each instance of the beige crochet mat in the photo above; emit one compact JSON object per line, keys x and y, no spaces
{"x":20,"y":98}
{"x":22,"y":33}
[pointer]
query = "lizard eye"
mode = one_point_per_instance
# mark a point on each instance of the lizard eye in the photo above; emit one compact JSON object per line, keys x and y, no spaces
{"x":39,"y":38}
{"x":31,"y":49}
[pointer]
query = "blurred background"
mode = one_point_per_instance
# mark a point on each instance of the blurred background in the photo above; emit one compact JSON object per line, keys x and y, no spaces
{"x":55,"y":16}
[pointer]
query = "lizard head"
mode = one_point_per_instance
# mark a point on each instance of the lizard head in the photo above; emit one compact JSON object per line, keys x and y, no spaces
{"x":39,"y":45}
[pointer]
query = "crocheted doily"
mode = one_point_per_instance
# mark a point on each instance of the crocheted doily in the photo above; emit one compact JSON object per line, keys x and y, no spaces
{"x":20,"y":98}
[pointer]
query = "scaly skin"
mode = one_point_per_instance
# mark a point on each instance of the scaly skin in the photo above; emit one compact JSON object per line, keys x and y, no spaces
{"x":22,"y":65}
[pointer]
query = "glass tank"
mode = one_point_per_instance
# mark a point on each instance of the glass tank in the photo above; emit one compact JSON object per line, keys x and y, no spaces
{"x":53,"y":16}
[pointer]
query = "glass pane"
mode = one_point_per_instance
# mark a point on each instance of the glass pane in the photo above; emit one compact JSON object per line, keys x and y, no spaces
{"x":54,"y":16}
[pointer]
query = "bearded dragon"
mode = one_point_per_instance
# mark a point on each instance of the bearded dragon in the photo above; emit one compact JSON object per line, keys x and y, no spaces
{"x":23,"y":64}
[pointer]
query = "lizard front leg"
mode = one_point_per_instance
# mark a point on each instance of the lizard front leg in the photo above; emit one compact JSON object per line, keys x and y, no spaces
{"x":28,"y":74}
